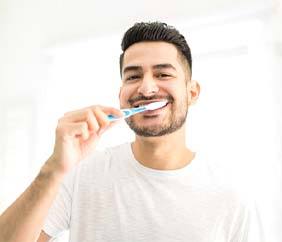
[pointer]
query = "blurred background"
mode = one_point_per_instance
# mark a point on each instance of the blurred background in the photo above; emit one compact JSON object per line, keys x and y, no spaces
{"x":58,"y":56}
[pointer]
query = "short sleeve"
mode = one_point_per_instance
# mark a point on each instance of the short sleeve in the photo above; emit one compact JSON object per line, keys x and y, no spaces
{"x":250,"y":227}
{"x":58,"y":218}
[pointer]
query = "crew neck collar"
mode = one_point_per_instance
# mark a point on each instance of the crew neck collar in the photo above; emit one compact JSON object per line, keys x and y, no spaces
{"x":165,"y":173}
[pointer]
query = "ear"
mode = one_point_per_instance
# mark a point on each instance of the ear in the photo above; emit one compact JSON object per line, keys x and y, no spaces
{"x":193,"y":89}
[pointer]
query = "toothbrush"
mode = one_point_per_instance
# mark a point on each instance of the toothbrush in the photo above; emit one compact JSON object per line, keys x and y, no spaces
{"x":131,"y":111}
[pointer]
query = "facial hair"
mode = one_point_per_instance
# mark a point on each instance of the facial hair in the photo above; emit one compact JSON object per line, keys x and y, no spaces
{"x":174,"y":120}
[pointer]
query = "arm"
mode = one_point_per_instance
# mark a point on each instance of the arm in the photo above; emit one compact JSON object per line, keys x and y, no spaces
{"x":76,"y":135}
{"x":23,"y":220}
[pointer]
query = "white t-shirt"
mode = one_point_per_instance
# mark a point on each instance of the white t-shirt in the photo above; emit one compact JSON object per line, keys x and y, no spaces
{"x":112,"y":197}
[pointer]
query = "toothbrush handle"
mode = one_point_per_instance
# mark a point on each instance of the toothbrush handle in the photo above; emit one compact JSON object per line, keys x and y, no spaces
{"x":112,"y":118}
{"x":126,"y":114}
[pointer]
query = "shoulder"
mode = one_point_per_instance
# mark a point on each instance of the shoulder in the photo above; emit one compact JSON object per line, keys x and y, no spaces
{"x":241,"y":214}
{"x":219,"y":181}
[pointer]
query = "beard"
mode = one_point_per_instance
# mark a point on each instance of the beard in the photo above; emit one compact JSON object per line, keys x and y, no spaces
{"x":174,"y":120}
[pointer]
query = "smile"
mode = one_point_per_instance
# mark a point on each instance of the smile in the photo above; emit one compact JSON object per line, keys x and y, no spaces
{"x":155,"y":112}
{"x":140,"y":104}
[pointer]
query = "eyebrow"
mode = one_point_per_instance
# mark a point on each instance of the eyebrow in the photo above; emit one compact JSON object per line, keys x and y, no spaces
{"x":157,"y":67}
{"x":132,"y":68}
{"x":164,"y":66}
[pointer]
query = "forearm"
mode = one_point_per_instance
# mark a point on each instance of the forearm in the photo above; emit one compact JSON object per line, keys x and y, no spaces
{"x":77,"y":134}
{"x":24,"y":219}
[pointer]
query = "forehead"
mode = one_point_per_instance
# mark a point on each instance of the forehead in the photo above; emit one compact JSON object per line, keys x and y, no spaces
{"x":147,"y":54}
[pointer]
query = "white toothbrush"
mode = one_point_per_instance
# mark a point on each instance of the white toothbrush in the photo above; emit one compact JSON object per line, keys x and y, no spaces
{"x":131,"y":111}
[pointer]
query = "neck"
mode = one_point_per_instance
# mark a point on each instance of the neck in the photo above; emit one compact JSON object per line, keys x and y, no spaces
{"x":168,"y":152}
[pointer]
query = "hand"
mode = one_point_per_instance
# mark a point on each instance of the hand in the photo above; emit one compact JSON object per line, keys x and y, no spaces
{"x":77,"y":134}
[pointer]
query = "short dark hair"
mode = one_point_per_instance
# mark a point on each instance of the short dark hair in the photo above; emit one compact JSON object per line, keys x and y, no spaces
{"x":155,"y":31}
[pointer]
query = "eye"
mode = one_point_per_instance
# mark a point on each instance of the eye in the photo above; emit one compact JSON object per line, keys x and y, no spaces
{"x":132,"y":78}
{"x":163,"y":76}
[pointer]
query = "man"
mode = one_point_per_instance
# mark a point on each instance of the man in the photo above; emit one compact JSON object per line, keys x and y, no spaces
{"x":153,"y":189}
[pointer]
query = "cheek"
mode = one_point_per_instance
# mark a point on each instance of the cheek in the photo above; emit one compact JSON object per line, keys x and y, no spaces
{"x":125,"y":94}
{"x":179,"y":94}
{"x":172,"y":90}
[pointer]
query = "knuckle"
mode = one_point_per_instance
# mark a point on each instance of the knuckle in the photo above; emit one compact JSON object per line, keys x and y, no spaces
{"x":96,"y":109}
{"x":60,"y":129}
{"x":88,"y":114}
{"x":67,"y":113}
{"x":60,"y":120}
{"x":98,"y":112}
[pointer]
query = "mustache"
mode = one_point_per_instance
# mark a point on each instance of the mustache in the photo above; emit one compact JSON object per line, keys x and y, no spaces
{"x":131,"y":101}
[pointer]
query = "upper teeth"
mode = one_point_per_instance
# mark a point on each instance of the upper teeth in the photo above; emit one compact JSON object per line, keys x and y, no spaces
{"x":140,"y":105}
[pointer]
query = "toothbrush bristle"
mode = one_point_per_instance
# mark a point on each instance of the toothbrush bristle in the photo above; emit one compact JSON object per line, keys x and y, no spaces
{"x":156,"y":105}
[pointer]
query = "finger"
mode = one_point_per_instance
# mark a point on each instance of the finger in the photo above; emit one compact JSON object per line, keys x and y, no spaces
{"x":110,"y":110}
{"x":95,"y":116}
{"x":84,"y":115}
{"x":92,"y":140}
{"x":79,"y":130}
{"x":65,"y":130}
{"x":103,"y":112}
{"x":106,"y":109}
{"x":69,"y":113}
{"x":102,"y":119}
{"x":112,"y":123}
{"x":80,"y":115}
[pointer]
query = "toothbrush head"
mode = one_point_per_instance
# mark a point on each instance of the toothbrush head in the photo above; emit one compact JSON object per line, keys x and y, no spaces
{"x":131,"y":111}
{"x":156,"y":105}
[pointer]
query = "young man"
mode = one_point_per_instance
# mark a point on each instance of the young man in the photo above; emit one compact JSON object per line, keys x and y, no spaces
{"x":153,"y":189}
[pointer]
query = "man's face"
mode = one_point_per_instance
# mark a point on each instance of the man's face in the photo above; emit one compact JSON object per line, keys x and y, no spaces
{"x":153,"y":71}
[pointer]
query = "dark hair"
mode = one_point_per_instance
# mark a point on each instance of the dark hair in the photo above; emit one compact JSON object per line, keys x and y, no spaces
{"x":155,"y":31}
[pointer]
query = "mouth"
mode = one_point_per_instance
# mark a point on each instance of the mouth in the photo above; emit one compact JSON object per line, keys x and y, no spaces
{"x":156,"y":112}
{"x":140,"y":104}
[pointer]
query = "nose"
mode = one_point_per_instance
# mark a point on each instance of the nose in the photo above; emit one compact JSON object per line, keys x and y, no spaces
{"x":148,"y":86}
